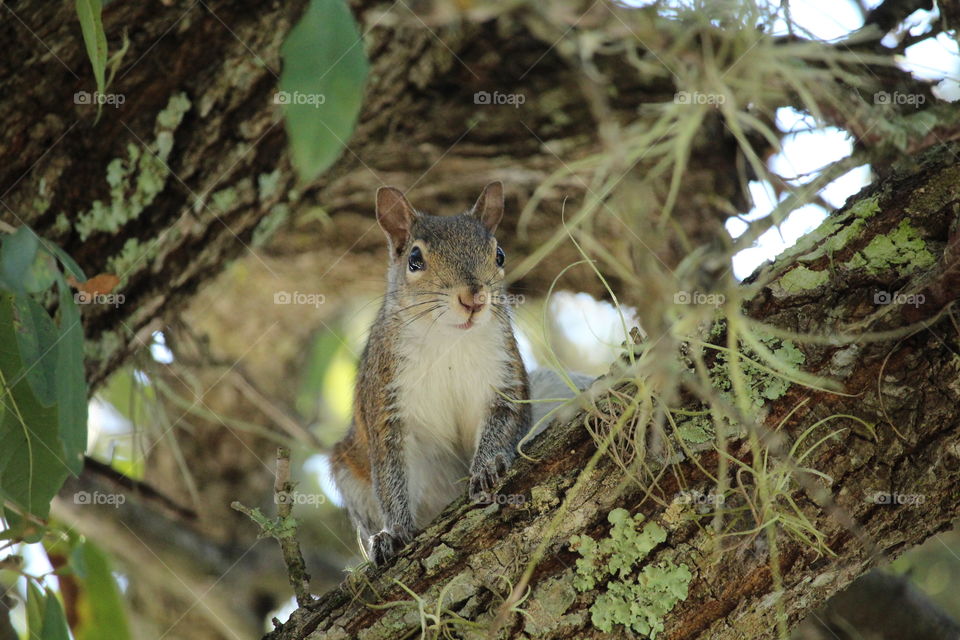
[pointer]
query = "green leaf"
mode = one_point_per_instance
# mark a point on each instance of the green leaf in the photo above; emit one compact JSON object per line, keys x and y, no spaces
{"x":41,"y":273}
{"x":88,"y":11}
{"x":37,"y":340}
{"x":321,"y":86}
{"x":100,"y":605}
{"x":32,"y":467}
{"x":17,"y":253}
{"x":36,"y":604}
{"x":71,"y":381}
{"x":54,"y":620}
{"x":69,"y":264}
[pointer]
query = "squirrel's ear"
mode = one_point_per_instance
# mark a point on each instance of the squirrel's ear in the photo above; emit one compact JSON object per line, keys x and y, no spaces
{"x":395,"y":216}
{"x":489,"y":206}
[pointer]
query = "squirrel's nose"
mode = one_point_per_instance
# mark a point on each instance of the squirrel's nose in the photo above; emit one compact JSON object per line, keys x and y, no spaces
{"x":472,"y":303}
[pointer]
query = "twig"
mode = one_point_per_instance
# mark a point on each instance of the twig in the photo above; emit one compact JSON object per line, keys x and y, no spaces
{"x":143,"y":490}
{"x":284,"y":528}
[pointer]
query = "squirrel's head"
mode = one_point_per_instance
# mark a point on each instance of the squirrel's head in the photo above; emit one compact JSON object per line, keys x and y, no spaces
{"x":447,"y":270}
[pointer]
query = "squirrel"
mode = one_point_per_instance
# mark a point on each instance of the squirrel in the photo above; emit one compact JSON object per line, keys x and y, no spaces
{"x":441,"y":393}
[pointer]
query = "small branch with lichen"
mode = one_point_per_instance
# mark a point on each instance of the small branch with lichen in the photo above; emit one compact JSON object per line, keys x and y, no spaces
{"x":283,"y":528}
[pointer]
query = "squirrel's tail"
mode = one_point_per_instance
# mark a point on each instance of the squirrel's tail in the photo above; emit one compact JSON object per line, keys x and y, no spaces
{"x":549,"y":391}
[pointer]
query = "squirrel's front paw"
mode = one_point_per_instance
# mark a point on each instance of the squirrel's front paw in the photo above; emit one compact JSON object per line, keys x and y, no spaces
{"x":383,"y":546}
{"x":485,"y":475}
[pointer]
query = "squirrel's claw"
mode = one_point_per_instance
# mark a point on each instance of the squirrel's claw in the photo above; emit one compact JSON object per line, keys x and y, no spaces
{"x":485,"y":475}
{"x":384,"y":545}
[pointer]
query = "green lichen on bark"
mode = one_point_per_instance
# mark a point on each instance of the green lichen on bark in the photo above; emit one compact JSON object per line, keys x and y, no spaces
{"x":269,"y":224}
{"x":834,"y":233}
{"x":440,"y":557}
{"x":762,"y":386}
{"x":41,"y":199}
{"x":543,"y":498}
{"x":635,"y":598}
{"x":268,"y":185}
{"x":902,"y":250}
{"x":866,"y":208}
{"x":108,"y":343}
{"x":831,"y":236}
{"x":130,"y":257}
{"x":696,"y":429}
{"x":801,"y":278}
{"x":550,"y":601}
{"x":224,"y":199}
{"x":62,"y":224}
{"x":137,"y":179}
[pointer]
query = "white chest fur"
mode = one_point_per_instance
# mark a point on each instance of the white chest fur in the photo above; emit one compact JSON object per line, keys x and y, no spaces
{"x":446,"y":384}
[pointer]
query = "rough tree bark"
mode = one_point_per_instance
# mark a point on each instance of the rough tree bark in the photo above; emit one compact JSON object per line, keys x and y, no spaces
{"x":906,"y":384}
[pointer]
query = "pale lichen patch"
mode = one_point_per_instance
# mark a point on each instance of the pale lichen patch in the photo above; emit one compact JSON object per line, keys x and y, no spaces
{"x":549,"y":601}
{"x":801,"y":279}
{"x":637,"y":600}
{"x":137,"y":179}
{"x":833,"y":233}
{"x":902,"y":250}
{"x":543,"y":498}
{"x":442,"y":555}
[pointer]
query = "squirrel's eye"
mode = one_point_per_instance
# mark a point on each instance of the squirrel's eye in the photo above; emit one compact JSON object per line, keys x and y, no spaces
{"x":500,"y":257}
{"x":415,"y":262}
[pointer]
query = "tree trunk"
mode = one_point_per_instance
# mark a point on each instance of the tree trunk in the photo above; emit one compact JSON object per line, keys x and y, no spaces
{"x":891,"y":485}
